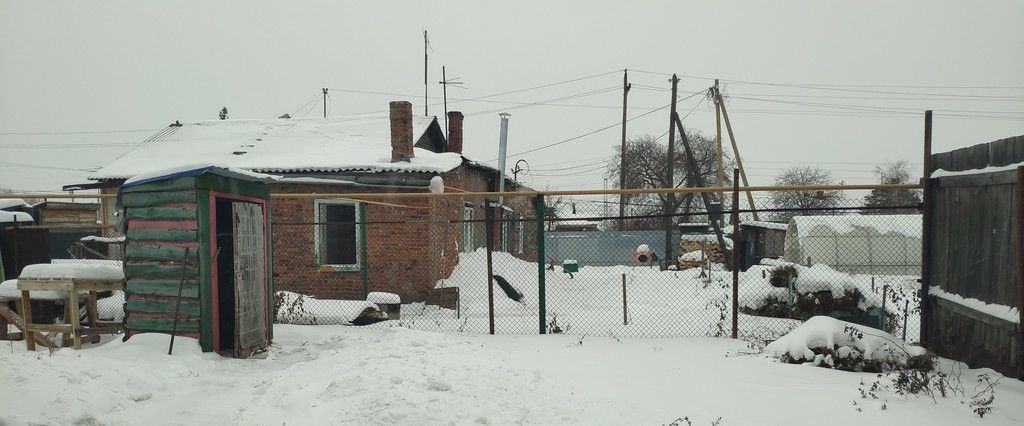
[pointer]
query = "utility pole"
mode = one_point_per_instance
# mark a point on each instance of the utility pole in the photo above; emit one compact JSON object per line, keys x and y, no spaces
{"x":670,"y":178}
{"x":444,"y":93}
{"x":325,"y":102}
{"x":718,"y":142}
{"x":426,"y":43}
{"x":622,"y":152}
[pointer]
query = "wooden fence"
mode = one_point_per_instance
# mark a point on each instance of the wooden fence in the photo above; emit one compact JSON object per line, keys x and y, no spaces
{"x":973,"y":223}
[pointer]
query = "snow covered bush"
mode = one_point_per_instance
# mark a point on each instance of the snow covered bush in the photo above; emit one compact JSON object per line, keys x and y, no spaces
{"x":799,"y":292}
{"x":827,"y":342}
{"x":295,"y":308}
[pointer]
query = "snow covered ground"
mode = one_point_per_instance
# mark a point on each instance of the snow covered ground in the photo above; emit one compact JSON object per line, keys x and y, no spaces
{"x":362,"y":375}
{"x":659,"y":303}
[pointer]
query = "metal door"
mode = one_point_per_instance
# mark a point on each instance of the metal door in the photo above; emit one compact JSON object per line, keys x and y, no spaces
{"x":250,"y":279}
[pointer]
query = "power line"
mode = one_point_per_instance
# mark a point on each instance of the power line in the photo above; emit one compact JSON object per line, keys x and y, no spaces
{"x":591,"y":132}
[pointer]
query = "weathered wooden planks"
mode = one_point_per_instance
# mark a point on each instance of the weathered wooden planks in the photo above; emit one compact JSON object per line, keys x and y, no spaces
{"x":167,"y":287}
{"x":157,"y":234}
{"x":148,"y":199}
{"x":189,"y":307}
{"x":164,"y":213}
{"x":163,"y":325}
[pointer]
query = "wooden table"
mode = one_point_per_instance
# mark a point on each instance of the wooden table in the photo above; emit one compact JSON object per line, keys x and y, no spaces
{"x":72,"y":287}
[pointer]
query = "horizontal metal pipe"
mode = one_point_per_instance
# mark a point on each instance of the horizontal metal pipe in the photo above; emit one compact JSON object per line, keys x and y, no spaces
{"x":356,"y":195}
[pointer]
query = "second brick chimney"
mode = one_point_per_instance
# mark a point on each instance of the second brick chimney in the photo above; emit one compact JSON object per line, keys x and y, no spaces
{"x":401,"y":131}
{"x":455,"y":131}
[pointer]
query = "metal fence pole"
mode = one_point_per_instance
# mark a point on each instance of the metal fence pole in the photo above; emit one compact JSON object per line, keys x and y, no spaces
{"x":735,"y":251}
{"x":489,"y":232}
{"x":541,"y":296}
{"x":625,"y":309}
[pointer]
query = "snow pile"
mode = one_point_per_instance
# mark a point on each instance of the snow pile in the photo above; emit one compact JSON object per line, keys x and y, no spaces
{"x":1003,"y":312}
{"x":295,"y":308}
{"x":9,"y":290}
{"x":693,"y":256}
{"x":825,"y":341}
{"x":381,"y":297}
{"x":93,"y":271}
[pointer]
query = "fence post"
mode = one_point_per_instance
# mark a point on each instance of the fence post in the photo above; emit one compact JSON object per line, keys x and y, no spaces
{"x":926,"y":219}
{"x":539,"y":207}
{"x":735,"y":251}
{"x":364,"y":251}
{"x":489,"y":232}
{"x":625,"y":310}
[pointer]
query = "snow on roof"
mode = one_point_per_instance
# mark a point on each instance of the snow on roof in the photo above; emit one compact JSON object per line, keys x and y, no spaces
{"x":903,"y":224}
{"x":13,"y":202}
{"x":281,"y":145}
{"x":767,"y":225}
{"x":8,"y":217}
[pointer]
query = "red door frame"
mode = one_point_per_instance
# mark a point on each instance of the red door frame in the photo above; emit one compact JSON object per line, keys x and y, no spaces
{"x":214,"y":291}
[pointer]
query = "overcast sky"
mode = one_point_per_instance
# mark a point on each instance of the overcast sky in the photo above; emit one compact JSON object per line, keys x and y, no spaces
{"x":125,"y":68}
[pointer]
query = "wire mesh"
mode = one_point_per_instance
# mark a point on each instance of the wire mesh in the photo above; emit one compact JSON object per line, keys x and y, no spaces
{"x":563,"y":268}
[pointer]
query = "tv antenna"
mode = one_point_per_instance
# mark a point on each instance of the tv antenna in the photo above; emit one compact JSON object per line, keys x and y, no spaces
{"x":445,"y":82}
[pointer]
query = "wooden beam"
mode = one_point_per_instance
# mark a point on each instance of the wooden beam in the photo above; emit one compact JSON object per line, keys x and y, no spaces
{"x":736,"y":153}
{"x":18,"y":322}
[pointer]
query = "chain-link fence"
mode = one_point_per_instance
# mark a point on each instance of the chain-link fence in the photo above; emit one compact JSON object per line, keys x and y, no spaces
{"x":560,"y":267}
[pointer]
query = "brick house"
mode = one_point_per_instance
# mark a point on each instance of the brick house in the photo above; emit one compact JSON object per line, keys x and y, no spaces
{"x":340,"y":248}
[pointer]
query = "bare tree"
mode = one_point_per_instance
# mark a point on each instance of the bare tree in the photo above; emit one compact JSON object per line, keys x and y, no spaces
{"x":892,"y":173}
{"x":806,"y":202}
{"x":646,"y":167}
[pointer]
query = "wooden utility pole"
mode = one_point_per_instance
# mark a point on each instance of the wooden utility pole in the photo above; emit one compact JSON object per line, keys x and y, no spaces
{"x":444,"y":94}
{"x":736,"y":153}
{"x":426,"y":43}
{"x":718,"y":142}
{"x":697,"y":181}
{"x":622,"y":153}
{"x":325,"y":102}
{"x":670,"y":178}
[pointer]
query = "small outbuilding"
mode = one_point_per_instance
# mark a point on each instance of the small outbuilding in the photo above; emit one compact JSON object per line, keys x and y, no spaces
{"x":201,"y":232}
{"x":761,"y":240}
{"x":857,"y":244}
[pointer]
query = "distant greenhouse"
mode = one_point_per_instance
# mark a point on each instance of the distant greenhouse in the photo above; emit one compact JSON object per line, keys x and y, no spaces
{"x":857,"y":244}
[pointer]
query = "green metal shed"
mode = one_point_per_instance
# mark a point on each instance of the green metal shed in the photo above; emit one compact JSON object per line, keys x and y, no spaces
{"x":203,"y":231}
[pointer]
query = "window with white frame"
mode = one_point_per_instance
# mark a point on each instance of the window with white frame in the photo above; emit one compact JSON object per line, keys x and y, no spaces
{"x":338,"y":234}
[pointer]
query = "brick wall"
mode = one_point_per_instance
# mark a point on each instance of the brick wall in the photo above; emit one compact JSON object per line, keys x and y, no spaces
{"x":407,"y":254}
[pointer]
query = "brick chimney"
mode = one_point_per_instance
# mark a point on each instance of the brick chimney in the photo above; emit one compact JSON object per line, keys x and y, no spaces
{"x":401,"y":131}
{"x":455,"y":131}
